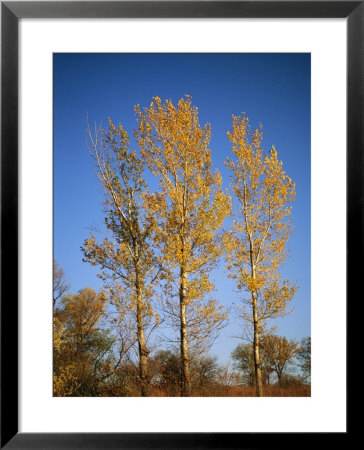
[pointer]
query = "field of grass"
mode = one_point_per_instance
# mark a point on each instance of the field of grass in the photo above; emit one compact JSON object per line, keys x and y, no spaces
{"x":240,"y":391}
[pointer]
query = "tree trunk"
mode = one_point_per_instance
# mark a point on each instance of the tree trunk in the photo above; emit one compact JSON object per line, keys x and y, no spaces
{"x":256,"y":343}
{"x":143,"y":353}
{"x":143,"y":368}
{"x":186,"y":380}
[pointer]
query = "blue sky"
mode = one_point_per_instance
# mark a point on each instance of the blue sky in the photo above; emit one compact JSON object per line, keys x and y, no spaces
{"x":273,"y":89}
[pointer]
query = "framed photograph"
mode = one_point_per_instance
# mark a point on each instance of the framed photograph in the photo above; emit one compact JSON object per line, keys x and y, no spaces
{"x":186,"y":177}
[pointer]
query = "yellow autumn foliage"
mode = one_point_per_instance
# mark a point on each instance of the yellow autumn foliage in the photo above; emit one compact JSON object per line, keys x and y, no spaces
{"x":189,"y":207}
{"x":256,"y":245}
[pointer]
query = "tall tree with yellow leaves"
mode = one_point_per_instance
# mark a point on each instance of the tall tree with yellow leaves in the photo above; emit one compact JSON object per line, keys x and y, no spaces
{"x":124,"y":255}
{"x":256,"y":246}
{"x":190,"y":208}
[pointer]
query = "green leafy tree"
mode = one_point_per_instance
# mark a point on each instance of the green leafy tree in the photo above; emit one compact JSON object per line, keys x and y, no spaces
{"x":82,"y":350}
{"x":304,"y":357}
{"x":168,"y":372}
{"x":244,"y":363}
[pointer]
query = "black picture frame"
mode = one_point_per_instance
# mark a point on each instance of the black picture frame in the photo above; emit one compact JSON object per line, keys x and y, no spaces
{"x":11,"y":12}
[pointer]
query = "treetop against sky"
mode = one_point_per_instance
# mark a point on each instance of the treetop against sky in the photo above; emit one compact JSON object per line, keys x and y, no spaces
{"x":272,"y":89}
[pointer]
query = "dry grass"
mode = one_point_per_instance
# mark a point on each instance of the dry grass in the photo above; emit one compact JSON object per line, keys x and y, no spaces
{"x":239,"y":391}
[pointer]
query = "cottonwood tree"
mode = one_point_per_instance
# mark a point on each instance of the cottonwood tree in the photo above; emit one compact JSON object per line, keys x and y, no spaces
{"x":256,"y":246}
{"x":190,"y":208}
{"x":125,"y":254}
